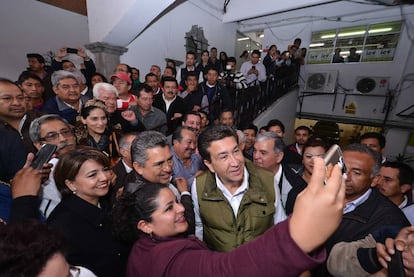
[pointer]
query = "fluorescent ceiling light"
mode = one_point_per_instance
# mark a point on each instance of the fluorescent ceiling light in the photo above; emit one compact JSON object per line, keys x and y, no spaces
{"x":347,"y":34}
{"x":316,"y":44}
{"x":328,"y":36}
{"x":243,"y":38}
{"x":380,"y":30}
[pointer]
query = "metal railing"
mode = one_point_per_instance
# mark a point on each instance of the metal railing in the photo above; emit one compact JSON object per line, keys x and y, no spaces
{"x":252,"y":101}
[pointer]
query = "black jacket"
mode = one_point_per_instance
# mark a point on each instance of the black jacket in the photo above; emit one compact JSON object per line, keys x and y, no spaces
{"x":89,"y":237}
{"x":177,"y":106}
{"x":297,"y":183}
{"x":218,"y":101}
{"x":376,"y":212}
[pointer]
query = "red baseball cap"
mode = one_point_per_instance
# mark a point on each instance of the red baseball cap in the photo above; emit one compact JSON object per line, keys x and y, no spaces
{"x":122,"y":76}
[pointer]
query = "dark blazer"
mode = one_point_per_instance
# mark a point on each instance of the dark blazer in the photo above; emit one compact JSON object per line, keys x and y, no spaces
{"x":89,"y":237}
{"x":291,"y":157}
{"x":121,"y":175}
{"x":177,"y":106}
{"x":12,"y":153}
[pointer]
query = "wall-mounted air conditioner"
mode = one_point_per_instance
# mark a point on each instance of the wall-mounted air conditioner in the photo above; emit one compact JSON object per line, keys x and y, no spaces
{"x":321,"y":82}
{"x":372,"y":85}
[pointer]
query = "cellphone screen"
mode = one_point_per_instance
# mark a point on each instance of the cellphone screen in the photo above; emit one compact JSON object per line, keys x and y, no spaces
{"x":72,"y":50}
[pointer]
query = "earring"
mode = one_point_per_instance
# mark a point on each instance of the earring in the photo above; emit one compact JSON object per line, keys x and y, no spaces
{"x":74,"y":192}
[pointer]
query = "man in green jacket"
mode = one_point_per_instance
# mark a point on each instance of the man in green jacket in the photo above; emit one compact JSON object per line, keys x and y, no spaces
{"x":234,"y":202}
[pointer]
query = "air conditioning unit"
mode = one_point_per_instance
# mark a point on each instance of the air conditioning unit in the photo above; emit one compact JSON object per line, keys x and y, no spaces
{"x":372,"y":85}
{"x":321,"y":82}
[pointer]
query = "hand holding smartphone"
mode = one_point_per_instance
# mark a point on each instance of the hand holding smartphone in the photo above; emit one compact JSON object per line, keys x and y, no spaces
{"x":396,"y":266}
{"x":72,"y":50}
{"x":334,"y":156}
{"x":43,"y":156}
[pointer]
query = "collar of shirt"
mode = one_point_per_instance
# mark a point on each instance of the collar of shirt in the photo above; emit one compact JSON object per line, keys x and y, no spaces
{"x":351,"y":206}
{"x":298,"y":148}
{"x":278,"y":174}
{"x":168,"y":102}
{"x":210,"y":86}
{"x":127,"y":168}
{"x":22,"y":123}
{"x":84,"y":91}
{"x":234,"y":199}
{"x":404,"y":202}
{"x":241,"y":190}
{"x":73,"y":107}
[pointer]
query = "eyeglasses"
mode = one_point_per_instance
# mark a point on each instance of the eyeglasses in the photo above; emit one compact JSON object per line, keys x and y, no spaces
{"x":53,"y":136}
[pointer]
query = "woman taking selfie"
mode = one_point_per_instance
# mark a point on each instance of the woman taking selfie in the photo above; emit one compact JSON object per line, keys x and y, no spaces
{"x":83,"y":177}
{"x":150,"y":213}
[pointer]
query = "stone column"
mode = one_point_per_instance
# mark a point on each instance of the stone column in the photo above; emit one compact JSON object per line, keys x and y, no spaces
{"x":107,"y":56}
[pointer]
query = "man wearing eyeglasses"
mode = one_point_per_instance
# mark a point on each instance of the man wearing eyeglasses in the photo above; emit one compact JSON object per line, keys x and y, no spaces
{"x":52,"y":129}
{"x":68,"y":100}
{"x":13,"y":113}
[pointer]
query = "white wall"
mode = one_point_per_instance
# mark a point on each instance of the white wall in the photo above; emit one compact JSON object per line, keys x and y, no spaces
{"x":282,"y":110}
{"x":30,"y":26}
{"x":118,"y":24}
{"x":165,"y":38}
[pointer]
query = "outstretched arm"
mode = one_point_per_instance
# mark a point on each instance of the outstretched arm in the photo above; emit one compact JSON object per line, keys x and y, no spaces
{"x":318,"y":209}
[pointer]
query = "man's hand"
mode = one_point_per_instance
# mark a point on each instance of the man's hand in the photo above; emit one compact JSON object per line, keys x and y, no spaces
{"x":60,"y":54}
{"x":129,"y":115}
{"x":182,"y":184}
{"x":27,"y":180}
{"x":177,"y":116}
{"x":253,"y":71}
{"x":318,"y":209}
{"x":403,"y":242}
{"x":82,"y":54}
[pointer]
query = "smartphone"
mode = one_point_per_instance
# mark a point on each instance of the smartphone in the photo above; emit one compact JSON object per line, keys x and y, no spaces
{"x":334,"y":156}
{"x":253,"y":67}
{"x":43,"y":156}
{"x":396,"y":266}
{"x":72,"y":50}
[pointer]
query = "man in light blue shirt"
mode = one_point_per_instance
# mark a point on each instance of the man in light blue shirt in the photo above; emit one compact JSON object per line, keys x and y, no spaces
{"x":187,"y":163}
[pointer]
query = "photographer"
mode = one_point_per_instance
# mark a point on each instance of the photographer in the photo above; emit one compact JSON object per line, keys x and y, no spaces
{"x":253,"y":71}
{"x":230,"y":78}
{"x":87,"y":65}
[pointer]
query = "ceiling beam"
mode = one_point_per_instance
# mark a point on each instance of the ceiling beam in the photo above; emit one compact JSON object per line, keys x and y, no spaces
{"x":76,"y":6}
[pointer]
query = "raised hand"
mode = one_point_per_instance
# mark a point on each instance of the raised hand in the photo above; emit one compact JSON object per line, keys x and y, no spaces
{"x":318,"y":209}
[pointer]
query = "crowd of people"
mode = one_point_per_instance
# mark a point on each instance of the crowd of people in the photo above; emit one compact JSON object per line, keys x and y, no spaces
{"x":158,"y":179}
